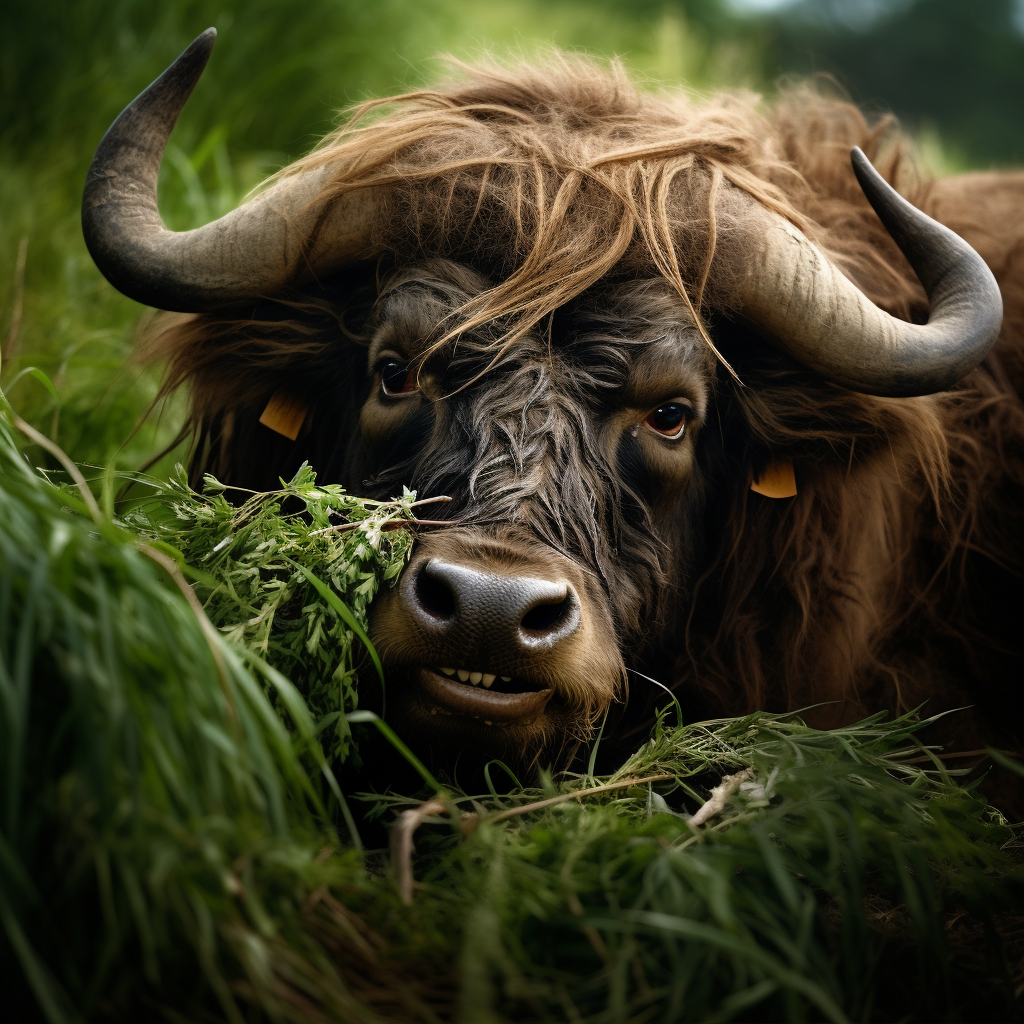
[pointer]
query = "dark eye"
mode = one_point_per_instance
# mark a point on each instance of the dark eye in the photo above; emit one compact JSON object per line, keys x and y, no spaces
{"x":396,"y":378}
{"x":669,"y":419}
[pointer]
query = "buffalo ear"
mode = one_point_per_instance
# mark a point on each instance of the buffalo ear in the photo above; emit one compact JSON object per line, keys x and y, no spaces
{"x":275,"y":382}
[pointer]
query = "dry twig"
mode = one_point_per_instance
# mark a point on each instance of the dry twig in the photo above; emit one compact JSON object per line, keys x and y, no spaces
{"x":402,"y":845}
{"x":715,"y":804}
{"x":579,"y":794}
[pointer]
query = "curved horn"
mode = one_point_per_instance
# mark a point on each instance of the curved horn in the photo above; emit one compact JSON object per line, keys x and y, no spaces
{"x":797,"y":295}
{"x":251,"y":251}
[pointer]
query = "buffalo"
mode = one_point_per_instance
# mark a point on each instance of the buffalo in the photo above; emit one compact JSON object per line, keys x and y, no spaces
{"x":718,"y":414}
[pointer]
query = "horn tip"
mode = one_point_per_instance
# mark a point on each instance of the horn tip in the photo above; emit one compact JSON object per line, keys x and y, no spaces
{"x":875,"y":187}
{"x":861,"y":164}
{"x":203,"y":43}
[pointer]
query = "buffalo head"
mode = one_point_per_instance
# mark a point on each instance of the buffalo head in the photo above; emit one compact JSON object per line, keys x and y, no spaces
{"x":534,"y":338}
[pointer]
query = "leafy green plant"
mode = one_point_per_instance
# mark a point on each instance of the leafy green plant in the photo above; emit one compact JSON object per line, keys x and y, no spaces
{"x":268,"y":570}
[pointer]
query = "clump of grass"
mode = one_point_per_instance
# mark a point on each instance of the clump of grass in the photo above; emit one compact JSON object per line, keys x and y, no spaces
{"x":824,"y":887}
{"x":287,"y":575}
{"x":157,"y":826}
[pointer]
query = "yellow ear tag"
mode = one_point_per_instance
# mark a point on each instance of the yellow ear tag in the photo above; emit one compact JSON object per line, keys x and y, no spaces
{"x":284,"y":415}
{"x":777,"y":481}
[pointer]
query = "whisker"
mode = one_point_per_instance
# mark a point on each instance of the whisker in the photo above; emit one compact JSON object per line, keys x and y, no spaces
{"x":672,"y":696}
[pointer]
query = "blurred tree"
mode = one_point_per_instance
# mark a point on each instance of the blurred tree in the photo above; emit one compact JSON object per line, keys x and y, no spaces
{"x":951,"y":65}
{"x":947,"y":66}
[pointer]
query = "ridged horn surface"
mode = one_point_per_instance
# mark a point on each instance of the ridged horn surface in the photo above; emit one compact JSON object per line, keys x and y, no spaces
{"x":251,"y":251}
{"x":797,"y":296}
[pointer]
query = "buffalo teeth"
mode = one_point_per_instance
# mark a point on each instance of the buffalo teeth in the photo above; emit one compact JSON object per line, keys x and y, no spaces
{"x":474,"y":678}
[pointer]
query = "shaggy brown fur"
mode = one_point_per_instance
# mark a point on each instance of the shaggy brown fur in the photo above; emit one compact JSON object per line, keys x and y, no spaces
{"x":589,"y":217}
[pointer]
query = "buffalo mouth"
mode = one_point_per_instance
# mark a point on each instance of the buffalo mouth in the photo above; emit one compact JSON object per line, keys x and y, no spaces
{"x":486,"y":696}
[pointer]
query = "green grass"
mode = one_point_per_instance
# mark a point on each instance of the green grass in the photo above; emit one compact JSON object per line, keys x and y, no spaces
{"x":176,"y":838}
{"x":149,"y":787}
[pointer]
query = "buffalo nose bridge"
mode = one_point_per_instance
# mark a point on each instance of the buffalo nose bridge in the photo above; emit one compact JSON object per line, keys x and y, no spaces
{"x":526,"y":612}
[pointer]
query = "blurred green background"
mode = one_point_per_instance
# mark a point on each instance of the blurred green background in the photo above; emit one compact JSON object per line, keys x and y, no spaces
{"x":952,"y":70}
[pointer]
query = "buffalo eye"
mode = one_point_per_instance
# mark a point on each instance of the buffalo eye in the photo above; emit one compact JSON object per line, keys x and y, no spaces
{"x":670,"y":418}
{"x":396,"y":378}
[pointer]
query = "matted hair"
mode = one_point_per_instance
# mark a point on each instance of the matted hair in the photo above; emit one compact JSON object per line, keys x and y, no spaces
{"x":551,"y":176}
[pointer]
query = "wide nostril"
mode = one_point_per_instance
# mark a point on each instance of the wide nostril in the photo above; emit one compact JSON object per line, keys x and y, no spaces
{"x":434,"y":595}
{"x":548,"y":618}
